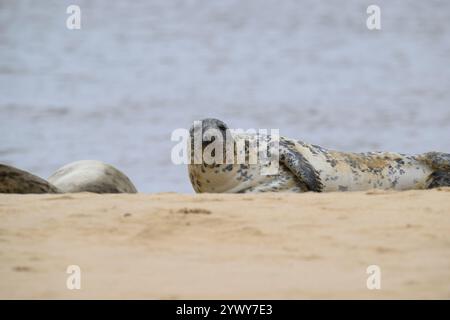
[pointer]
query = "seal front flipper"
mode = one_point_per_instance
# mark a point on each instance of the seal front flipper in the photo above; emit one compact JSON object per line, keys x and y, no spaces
{"x":440,"y":163}
{"x":299,"y":165}
{"x":13,"y":180}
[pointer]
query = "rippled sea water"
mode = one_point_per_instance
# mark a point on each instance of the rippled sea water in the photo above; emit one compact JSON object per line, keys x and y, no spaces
{"x":137,"y":70}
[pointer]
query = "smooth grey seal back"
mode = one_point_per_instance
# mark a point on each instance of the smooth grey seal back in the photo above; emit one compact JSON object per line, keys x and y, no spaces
{"x":91,"y":176}
{"x":13,"y":180}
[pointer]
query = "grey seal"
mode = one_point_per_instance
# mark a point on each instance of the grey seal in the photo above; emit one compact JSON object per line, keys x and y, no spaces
{"x":306,"y":167}
{"x":13,"y":180}
{"x":91,"y":176}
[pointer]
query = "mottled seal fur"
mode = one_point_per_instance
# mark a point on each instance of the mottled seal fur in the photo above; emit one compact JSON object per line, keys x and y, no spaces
{"x":91,"y":176}
{"x":306,"y":167}
{"x":13,"y":180}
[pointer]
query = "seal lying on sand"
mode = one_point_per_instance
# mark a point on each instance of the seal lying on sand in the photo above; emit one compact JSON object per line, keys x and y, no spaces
{"x":91,"y":176}
{"x":305,"y":167}
{"x":13,"y":180}
{"x":79,"y":176}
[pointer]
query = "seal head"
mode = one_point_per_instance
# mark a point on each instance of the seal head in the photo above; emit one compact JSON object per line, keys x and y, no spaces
{"x":209,"y":131}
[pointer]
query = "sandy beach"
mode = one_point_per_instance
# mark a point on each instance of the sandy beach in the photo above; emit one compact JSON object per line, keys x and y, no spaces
{"x":180,"y":246}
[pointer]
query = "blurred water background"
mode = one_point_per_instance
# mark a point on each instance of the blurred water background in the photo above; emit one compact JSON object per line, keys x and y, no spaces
{"x":137,"y":70}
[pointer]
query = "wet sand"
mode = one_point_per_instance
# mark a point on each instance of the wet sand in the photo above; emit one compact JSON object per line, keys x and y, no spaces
{"x":176,"y":246}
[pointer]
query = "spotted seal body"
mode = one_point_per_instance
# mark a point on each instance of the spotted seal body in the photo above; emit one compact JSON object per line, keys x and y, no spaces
{"x":305,"y":167}
{"x":91,"y":176}
{"x":13,"y":180}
